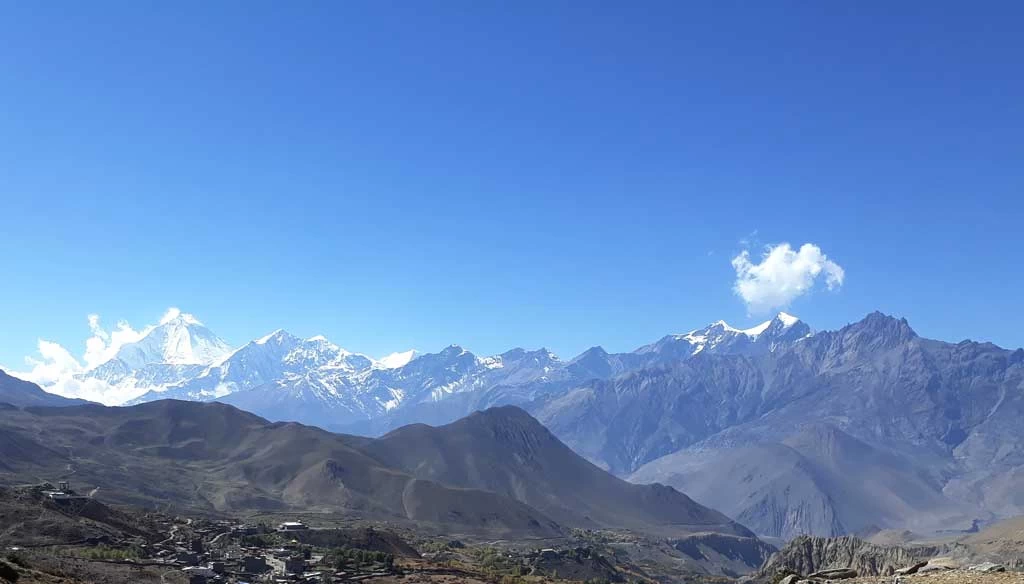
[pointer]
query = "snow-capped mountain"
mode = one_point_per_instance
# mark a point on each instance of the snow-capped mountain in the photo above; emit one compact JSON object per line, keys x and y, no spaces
{"x":720,"y":337}
{"x":178,"y":348}
{"x":277,"y":357}
{"x":179,"y":339}
{"x":396,"y":360}
{"x":284,"y":377}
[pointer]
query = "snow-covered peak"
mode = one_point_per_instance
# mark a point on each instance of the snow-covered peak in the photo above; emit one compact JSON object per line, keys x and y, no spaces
{"x":754,"y":331}
{"x":275,"y":336}
{"x":787,"y":320}
{"x":724,"y":326}
{"x":720,"y":336}
{"x":175,"y":314}
{"x":179,"y":339}
{"x":453,"y":350}
{"x":396,"y":360}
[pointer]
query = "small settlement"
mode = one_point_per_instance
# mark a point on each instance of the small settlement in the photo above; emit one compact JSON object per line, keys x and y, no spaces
{"x":209,"y":551}
{"x":218,"y":551}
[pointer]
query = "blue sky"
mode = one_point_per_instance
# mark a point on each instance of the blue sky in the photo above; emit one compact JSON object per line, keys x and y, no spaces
{"x":559,"y":174}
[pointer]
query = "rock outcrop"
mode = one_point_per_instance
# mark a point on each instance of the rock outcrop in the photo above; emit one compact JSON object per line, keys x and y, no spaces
{"x":811,"y":555}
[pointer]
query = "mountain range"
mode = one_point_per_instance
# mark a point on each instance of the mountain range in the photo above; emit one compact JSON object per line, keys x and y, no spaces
{"x":283,"y":377}
{"x":788,"y":430}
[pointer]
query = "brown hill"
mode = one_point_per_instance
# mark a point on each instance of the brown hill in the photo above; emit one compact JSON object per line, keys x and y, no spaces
{"x":214,"y":457}
{"x":499,"y":472}
{"x":504,"y":450}
{"x":20,"y":393}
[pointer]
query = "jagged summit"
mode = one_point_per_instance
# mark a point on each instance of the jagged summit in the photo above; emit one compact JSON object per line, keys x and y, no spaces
{"x":398,"y":359}
{"x":179,"y":339}
{"x":281,"y":375}
{"x":276,"y":336}
{"x":878,"y":330}
{"x":176,"y":315}
{"x":787,"y":320}
{"x":721,"y":337}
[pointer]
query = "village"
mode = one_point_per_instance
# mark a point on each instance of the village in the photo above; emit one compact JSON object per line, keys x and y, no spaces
{"x":208,"y":550}
{"x":222,"y":551}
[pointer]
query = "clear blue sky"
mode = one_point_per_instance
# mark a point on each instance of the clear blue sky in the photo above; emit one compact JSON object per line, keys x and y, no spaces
{"x":414,"y":174}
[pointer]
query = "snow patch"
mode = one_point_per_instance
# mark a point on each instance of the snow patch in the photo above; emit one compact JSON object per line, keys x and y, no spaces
{"x":754,"y":331}
{"x":173,"y":313}
{"x":264,"y":339}
{"x":492,"y":362}
{"x":787,"y":320}
{"x":396,"y":360}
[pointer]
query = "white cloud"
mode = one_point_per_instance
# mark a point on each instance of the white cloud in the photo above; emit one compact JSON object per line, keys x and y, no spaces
{"x":58,"y":371}
{"x":782,"y":276}
{"x":55,"y":364}
{"x":102,"y":346}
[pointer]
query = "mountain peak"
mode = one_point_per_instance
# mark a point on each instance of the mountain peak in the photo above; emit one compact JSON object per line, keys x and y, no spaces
{"x":596,"y":350}
{"x":879,"y":329}
{"x":787,"y":319}
{"x":398,"y":359}
{"x":276,"y":337}
{"x":179,"y":339}
{"x":879,"y":319}
{"x":176,"y":316}
{"x":780,"y":322}
{"x":453,"y":350}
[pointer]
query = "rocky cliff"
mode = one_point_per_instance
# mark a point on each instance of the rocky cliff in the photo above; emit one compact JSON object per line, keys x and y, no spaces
{"x":806,"y":555}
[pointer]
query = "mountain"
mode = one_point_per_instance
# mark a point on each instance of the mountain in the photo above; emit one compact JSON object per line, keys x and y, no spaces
{"x":769,"y":423}
{"x":177,"y":349}
{"x":180,"y":339}
{"x":214,"y":457}
{"x":870,"y":426}
{"x":20,"y":393}
{"x":283,"y":377}
{"x":522,"y":378}
{"x":505,"y":450}
{"x":819,"y":480}
{"x":720,"y":338}
{"x":278,"y":357}
{"x":314,"y":381}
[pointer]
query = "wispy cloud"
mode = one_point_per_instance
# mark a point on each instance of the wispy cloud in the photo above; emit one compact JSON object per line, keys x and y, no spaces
{"x":59,"y":371}
{"x":102,"y":345}
{"x":783,"y":275}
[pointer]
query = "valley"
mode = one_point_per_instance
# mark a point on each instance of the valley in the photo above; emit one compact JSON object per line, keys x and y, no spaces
{"x":696,"y":456}
{"x":929,"y":426}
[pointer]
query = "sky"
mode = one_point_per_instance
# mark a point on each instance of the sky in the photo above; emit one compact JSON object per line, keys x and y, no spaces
{"x":562,"y":174}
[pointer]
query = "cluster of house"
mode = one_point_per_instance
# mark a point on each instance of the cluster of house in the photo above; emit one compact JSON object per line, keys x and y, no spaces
{"x":210,"y":557}
{"x":215,"y":556}
{"x":211,"y":551}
